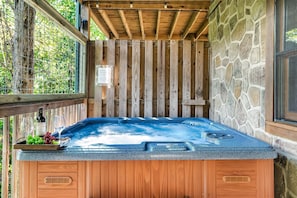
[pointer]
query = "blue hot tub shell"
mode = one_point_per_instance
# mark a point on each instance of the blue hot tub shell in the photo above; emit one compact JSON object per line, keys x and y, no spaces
{"x":153,"y":139}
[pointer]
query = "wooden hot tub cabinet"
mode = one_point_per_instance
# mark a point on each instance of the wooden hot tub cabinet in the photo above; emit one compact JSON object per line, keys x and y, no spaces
{"x":147,"y":178}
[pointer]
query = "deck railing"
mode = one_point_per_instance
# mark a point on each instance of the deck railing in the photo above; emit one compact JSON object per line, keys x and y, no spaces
{"x":73,"y":111}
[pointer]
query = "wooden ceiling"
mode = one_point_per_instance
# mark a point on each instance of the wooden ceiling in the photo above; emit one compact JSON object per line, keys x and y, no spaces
{"x":151,"y":19}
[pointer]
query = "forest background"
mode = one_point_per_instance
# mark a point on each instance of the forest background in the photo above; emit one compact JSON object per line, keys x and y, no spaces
{"x":47,"y":62}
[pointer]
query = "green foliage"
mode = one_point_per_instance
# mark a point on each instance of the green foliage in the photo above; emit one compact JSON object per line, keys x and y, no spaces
{"x":6,"y":26}
{"x":54,"y":52}
{"x":95,"y":32}
{"x":292,"y":35}
{"x":66,"y":8}
{"x":55,"y":66}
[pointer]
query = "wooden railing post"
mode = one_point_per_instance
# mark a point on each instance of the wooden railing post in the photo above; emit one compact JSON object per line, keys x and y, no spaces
{"x":5,"y":158}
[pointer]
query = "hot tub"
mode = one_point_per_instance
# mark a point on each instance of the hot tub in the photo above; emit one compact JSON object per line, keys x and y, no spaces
{"x":152,"y":157}
{"x":154,"y":138}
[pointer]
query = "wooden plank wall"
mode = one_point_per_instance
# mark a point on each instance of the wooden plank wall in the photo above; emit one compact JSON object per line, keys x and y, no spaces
{"x":153,"y":178}
{"x":151,"y":78}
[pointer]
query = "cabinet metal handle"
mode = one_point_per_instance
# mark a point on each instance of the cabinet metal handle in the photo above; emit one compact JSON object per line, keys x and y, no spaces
{"x":236,"y":179}
{"x":57,"y":180}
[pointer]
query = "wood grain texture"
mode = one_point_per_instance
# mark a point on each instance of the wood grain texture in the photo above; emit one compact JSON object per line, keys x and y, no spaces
{"x":259,"y":172}
{"x":148,"y":78}
{"x":5,"y":160}
{"x":110,"y":90}
{"x":173,"y":112}
{"x":150,"y":178}
{"x":161,"y":78}
{"x":154,"y":78}
{"x":153,"y":178}
{"x":265,"y":187}
{"x":236,"y":189}
{"x":186,"y":110}
{"x":97,"y":109}
{"x":135,"y":79}
{"x":199,"y":77}
{"x":123,"y":78}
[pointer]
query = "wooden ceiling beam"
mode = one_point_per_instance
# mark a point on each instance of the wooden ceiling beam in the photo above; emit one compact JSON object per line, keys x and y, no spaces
{"x":146,"y":1}
{"x":109,"y":24}
{"x":146,"y":5}
{"x":201,"y":29}
{"x":99,"y":24}
{"x":148,"y":8}
{"x":158,"y":24}
{"x":141,"y":23}
{"x":190,"y":24}
{"x":124,"y":20}
{"x":173,"y":24}
{"x":202,"y":38}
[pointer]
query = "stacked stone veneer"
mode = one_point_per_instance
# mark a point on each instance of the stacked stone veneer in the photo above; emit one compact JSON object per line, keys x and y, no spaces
{"x":237,"y":37}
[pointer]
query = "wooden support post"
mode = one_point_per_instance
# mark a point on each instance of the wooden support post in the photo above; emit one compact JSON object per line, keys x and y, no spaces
{"x":5,"y":158}
{"x":148,"y":78}
{"x":123,"y":78}
{"x":161,"y":78}
{"x":173,"y":106}
{"x":98,"y":89}
{"x":110,"y":90}
{"x":199,"y":77}
{"x":135,"y":78}
{"x":186,"y":77}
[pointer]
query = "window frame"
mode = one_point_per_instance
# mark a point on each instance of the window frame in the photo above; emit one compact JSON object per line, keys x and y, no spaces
{"x":80,"y":37}
{"x":282,"y":129}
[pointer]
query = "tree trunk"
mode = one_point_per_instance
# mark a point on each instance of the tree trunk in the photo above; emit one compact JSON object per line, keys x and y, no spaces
{"x":23,"y":53}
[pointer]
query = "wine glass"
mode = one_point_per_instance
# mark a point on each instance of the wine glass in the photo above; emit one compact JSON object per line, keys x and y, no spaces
{"x":59,"y":125}
{"x":27,"y":126}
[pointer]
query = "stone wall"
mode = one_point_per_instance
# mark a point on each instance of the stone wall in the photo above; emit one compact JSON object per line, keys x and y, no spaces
{"x":237,"y":36}
{"x":237,"y":40}
{"x":285,"y":174}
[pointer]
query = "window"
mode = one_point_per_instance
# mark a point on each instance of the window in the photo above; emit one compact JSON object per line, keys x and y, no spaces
{"x":286,"y":61}
{"x":40,"y":55}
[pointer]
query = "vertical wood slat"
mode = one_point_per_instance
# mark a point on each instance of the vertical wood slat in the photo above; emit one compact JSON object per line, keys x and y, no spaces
{"x":159,"y":178}
{"x":135,"y":78}
{"x":130,"y":179}
{"x":5,"y":157}
{"x":110,"y":90}
{"x":29,"y":179}
{"x":123,"y":78}
{"x":198,"y":179}
{"x":148,"y":79}
{"x":199,"y":73}
{"x":171,"y":179}
{"x":98,"y":89}
{"x":121,"y":169}
{"x":189,"y":174}
{"x":209,"y":187}
{"x":180,"y":178}
{"x":142,"y":179}
{"x":186,"y":109}
{"x":131,"y":87}
{"x":113,"y":180}
{"x":146,"y":178}
{"x":82,"y":110}
{"x":161,"y":78}
{"x":265,"y":186}
{"x":104,"y":179}
{"x":15,"y":184}
{"x":173,"y":93}
{"x":95,"y":182}
{"x":81,"y":174}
